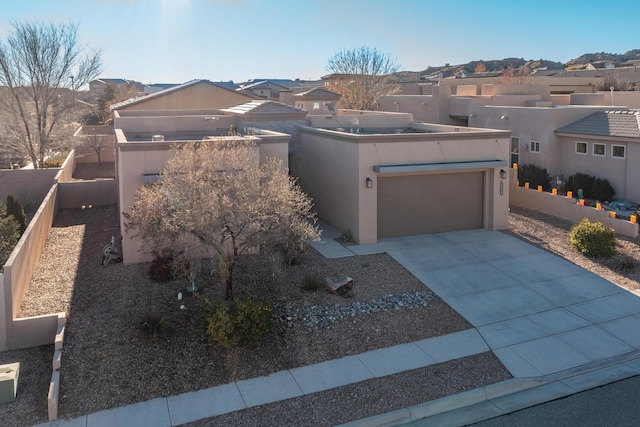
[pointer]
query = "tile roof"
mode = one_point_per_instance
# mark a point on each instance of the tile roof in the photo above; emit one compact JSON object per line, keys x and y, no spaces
{"x":264,"y":107}
{"x":619,"y":123}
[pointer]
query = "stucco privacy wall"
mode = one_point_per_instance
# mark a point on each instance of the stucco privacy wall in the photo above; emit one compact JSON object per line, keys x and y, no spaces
{"x":40,"y":330}
{"x":17,"y":274}
{"x":562,"y":207}
{"x":31,"y":195}
{"x":335,"y":166}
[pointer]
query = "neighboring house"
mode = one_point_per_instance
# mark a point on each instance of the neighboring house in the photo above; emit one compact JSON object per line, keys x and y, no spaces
{"x":195,"y":94}
{"x":378,"y":175}
{"x":143,"y":146}
{"x":534,"y":113}
{"x":317,"y":100}
{"x":271,"y":115}
{"x":605,"y":144}
{"x":268,"y":89}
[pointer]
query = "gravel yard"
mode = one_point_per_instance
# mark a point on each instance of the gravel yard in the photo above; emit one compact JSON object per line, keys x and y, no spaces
{"x":107,"y":362}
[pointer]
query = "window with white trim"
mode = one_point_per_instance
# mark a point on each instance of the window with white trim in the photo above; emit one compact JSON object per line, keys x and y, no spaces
{"x":618,"y":151}
{"x":581,"y":147}
{"x":316,"y":105}
{"x":599,"y":150}
{"x":535,"y":146}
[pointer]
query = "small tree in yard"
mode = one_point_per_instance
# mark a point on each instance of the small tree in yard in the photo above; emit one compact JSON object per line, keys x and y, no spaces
{"x":96,"y":142}
{"x":216,"y":199}
{"x":15,"y":209}
{"x":9,"y":235}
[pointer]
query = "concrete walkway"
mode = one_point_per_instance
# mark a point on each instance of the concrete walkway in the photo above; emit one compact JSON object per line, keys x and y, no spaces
{"x":556,"y":327}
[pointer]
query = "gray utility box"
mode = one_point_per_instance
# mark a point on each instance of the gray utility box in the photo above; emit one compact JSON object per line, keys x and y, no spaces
{"x":9,"y":382}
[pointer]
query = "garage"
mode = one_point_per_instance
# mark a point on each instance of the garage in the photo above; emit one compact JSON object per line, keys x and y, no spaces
{"x":429,"y":203}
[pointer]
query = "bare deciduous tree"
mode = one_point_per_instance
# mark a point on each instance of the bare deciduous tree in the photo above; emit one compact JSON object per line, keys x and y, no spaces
{"x":217,"y":200}
{"x":519,"y":76}
{"x":41,"y":67}
{"x":362,"y":76}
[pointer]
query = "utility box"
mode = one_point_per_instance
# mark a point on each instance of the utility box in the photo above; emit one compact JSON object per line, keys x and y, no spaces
{"x":9,"y":382}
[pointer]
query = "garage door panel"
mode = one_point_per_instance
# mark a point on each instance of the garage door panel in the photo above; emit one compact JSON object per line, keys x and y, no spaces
{"x":423,"y":204}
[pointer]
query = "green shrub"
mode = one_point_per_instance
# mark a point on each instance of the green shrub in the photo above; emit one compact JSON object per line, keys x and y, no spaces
{"x":593,"y":239}
{"x":311,"y":282}
{"x":15,"y":209}
{"x":239,"y":321}
{"x":9,"y":235}
{"x":602,"y":190}
{"x":592,"y":187}
{"x":535,"y":176}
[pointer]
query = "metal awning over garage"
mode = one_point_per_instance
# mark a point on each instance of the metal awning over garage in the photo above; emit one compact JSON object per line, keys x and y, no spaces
{"x":442,"y":166}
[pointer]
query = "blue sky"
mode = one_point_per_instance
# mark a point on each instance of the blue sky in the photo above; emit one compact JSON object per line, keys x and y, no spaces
{"x":172,"y":41}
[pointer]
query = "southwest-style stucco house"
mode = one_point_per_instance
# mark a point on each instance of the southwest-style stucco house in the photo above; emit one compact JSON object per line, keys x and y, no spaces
{"x":317,"y":100}
{"x":536,"y":115}
{"x":605,"y":144}
{"x":144,"y":141}
{"x":378,"y":175}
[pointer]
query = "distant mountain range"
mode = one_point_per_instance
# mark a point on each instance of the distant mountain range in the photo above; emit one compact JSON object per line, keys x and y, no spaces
{"x":496,"y":66}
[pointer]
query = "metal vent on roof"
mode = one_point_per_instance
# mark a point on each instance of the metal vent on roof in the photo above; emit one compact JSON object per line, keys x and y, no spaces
{"x":157,"y":138}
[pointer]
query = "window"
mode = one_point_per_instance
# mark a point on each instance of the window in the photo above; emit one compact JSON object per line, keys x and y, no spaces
{"x":599,"y":149}
{"x":581,"y":147}
{"x":515,"y":150}
{"x":316,"y":105}
{"x":618,"y":151}
{"x":535,"y":146}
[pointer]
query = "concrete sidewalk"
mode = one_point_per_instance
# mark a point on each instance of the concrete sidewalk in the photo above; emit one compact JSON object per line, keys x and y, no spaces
{"x":556,"y":327}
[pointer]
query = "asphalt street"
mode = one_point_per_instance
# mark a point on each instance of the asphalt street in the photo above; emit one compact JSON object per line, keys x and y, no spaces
{"x":615,"y":404}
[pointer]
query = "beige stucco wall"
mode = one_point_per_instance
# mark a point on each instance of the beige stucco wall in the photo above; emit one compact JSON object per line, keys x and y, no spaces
{"x":622,"y":174}
{"x":352,"y":119}
{"x":195,"y":121}
{"x":335,"y":165}
{"x":146,"y":157}
{"x":562,"y":207}
{"x":200,"y":95}
{"x":533,"y":124}
{"x":19,"y":270}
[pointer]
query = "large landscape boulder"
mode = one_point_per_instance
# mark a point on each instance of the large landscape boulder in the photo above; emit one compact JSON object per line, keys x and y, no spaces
{"x":339,"y":285}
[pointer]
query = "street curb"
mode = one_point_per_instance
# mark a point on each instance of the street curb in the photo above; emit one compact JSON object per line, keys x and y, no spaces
{"x":504,"y":397}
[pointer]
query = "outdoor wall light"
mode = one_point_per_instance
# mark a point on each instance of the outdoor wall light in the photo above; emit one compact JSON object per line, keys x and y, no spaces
{"x":368,"y":182}
{"x":503,"y":174}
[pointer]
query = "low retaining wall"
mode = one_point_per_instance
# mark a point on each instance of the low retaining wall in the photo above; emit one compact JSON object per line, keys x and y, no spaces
{"x":569,"y":209}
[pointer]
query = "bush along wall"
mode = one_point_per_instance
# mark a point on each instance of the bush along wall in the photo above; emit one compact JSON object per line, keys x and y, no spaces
{"x":535,"y":176}
{"x":592,"y":187}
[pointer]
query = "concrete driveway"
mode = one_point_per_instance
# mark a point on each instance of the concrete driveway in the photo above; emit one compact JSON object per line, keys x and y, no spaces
{"x":539,"y":313}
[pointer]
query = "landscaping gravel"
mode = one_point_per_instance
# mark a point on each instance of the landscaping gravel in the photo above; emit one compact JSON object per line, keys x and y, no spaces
{"x":107,"y":362}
